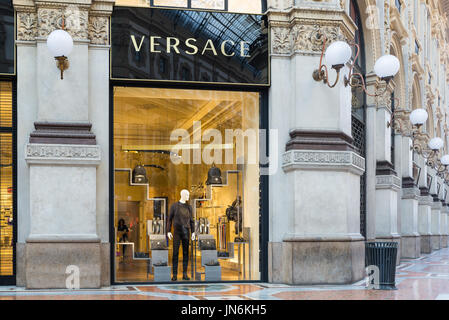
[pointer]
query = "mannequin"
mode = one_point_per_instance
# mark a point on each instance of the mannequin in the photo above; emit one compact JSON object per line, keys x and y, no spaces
{"x":181,"y":217}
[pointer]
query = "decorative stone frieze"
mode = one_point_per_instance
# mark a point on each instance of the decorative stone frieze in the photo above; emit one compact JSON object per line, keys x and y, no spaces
{"x":301,"y":30}
{"x":54,"y":153}
{"x":410,"y":193}
{"x":99,"y":30}
{"x":26,"y":26}
{"x":436,"y":205}
{"x":425,"y":200}
{"x":82,"y":20}
{"x":302,"y":159}
{"x":50,"y":19}
{"x":388,"y":182}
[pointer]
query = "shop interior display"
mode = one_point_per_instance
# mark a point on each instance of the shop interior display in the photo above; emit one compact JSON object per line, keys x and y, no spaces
{"x":6,"y":181}
{"x":223,"y":197}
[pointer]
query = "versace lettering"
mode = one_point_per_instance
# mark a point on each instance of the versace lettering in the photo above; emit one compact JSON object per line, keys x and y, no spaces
{"x":173,"y":45}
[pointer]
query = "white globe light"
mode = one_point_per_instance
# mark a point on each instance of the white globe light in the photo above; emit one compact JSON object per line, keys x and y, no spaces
{"x":445,"y":160}
{"x":338,"y":53}
{"x":418,"y":117}
{"x":387,"y":66}
{"x":436,"y":143}
{"x":60,"y":43}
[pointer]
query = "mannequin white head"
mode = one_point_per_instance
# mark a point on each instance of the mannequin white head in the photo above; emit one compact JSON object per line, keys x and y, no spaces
{"x":185,"y":194}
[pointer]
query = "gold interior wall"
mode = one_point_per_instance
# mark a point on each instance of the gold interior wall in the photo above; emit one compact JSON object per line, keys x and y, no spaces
{"x":6,"y":181}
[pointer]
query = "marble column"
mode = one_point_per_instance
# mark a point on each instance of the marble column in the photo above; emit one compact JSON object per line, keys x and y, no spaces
{"x":444,"y":226}
{"x":62,"y":153}
{"x":425,"y":201}
{"x":410,"y":237}
{"x":388,"y":184}
{"x":435,"y":212}
{"x":312,"y":241}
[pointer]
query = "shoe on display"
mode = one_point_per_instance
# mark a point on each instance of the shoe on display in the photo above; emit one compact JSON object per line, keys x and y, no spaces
{"x":174,"y":278}
{"x":185,"y":277}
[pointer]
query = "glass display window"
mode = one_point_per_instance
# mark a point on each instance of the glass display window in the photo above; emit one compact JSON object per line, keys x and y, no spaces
{"x":6,"y":181}
{"x":186,"y":158}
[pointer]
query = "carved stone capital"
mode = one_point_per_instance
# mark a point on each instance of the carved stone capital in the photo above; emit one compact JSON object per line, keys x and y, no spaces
{"x":303,"y":30}
{"x":99,"y":30}
{"x":82,"y":19}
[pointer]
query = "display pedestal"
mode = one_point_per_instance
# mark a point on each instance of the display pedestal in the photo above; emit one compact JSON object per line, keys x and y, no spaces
{"x":162,"y":273}
{"x":161,"y":269}
{"x":212,"y":273}
{"x":159,"y":257}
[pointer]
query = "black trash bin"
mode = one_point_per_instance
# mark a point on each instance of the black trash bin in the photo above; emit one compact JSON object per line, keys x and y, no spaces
{"x":383,"y":255}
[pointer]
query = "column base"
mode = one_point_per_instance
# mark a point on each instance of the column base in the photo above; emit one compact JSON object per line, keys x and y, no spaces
{"x":46,"y":264}
{"x":435,"y":242}
{"x":443,"y":241}
{"x":410,"y":247}
{"x":426,"y":244}
{"x":317,"y":262}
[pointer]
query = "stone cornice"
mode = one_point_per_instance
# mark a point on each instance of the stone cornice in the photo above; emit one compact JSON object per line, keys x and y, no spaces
{"x":388,"y":182}
{"x":62,"y":154}
{"x":323,"y":160}
{"x":425,"y":200}
{"x":411,"y":193}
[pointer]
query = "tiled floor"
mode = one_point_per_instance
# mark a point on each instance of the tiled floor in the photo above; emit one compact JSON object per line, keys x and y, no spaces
{"x":423,"y":278}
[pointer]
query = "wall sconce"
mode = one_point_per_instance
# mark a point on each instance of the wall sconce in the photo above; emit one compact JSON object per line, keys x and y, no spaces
{"x":60,"y":44}
{"x":428,"y":150}
{"x":339,"y":53}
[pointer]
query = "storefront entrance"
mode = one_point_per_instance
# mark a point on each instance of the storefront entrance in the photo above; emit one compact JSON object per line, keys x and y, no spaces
{"x":7,"y":145}
{"x":202,"y":141}
{"x":7,"y":187}
{"x":188,"y":91}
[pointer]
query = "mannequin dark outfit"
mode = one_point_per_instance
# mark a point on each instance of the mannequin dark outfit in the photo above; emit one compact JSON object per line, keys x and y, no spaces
{"x":181,"y":217}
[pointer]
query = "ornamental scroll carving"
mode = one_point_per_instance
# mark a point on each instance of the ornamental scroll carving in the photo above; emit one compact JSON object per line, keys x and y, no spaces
{"x":77,"y":22}
{"x":26,"y":26}
{"x":98,"y":30}
{"x":303,"y":38}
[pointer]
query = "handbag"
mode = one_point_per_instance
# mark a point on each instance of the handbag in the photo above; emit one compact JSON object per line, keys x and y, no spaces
{"x":158,"y":245}
{"x":235,"y":210}
{"x":207,"y":244}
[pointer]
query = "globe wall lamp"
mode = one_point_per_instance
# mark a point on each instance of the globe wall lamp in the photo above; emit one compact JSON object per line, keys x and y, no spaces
{"x":338,"y":55}
{"x":60,"y":44}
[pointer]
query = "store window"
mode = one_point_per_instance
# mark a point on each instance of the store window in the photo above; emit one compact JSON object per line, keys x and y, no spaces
{"x":237,"y":6}
{"x":6,"y":180}
{"x":172,"y":142}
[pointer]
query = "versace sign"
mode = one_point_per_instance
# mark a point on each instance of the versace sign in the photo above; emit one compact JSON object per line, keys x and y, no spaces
{"x":185,"y":45}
